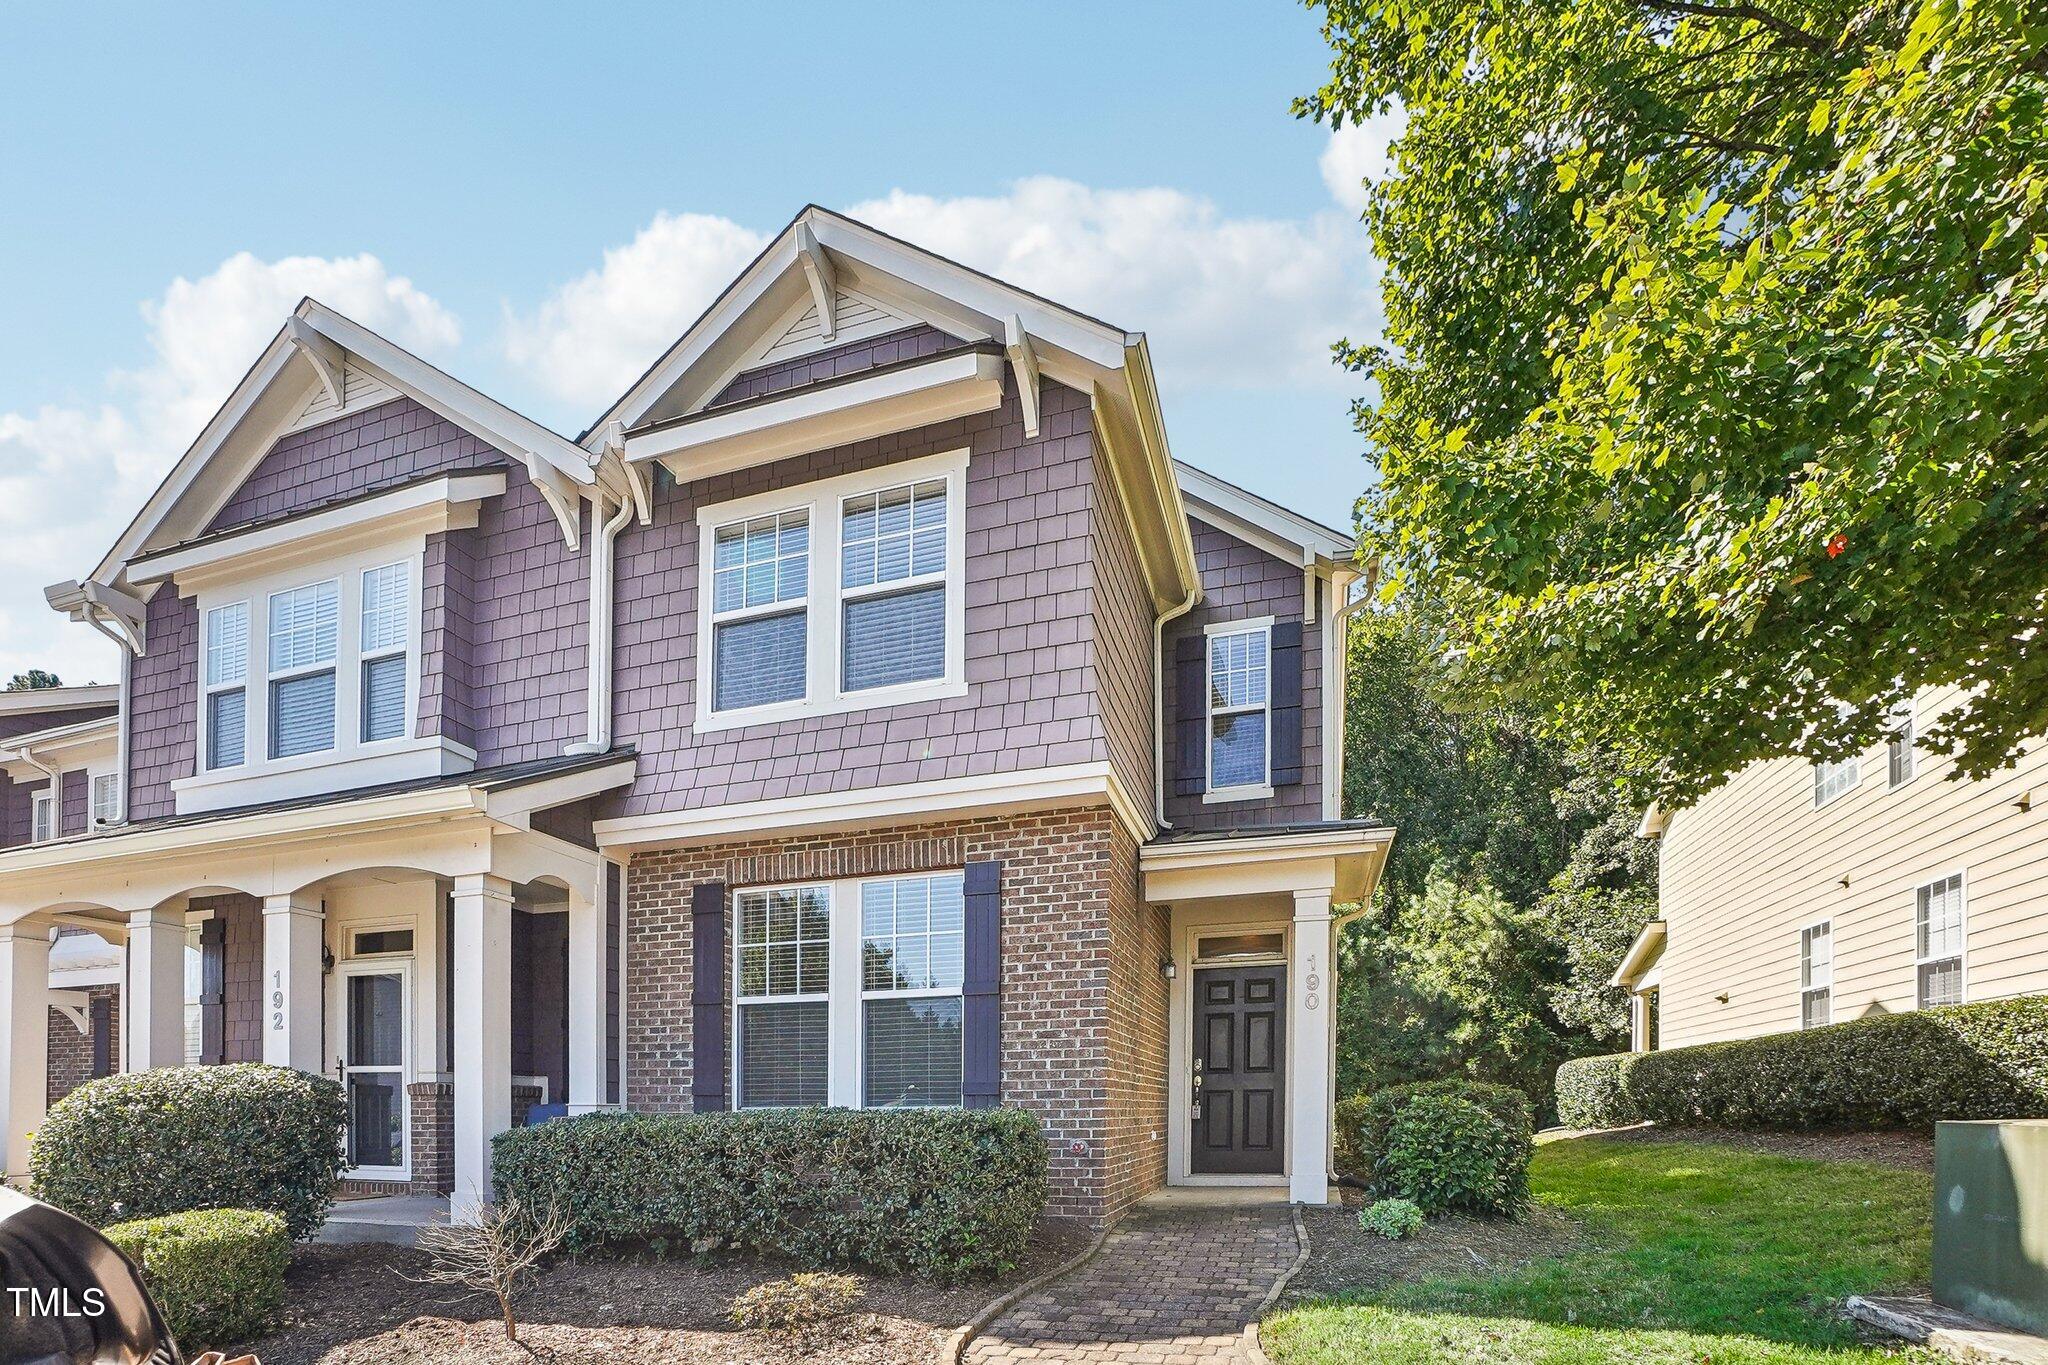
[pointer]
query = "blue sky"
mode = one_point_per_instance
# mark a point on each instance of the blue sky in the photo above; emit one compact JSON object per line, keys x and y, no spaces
{"x":538,"y":198}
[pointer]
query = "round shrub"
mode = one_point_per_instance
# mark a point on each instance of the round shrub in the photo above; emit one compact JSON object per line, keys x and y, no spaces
{"x":242,"y":1136}
{"x":1445,"y":1153}
{"x":1393,"y":1219}
{"x":217,"y":1275}
{"x":1364,"y":1121}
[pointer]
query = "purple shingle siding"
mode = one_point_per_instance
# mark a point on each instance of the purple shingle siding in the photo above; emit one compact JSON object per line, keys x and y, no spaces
{"x":28,"y":722}
{"x":163,"y":696}
{"x":1121,"y":639}
{"x":1030,"y":581}
{"x":1241,"y":581}
{"x":17,"y":809}
{"x":361,"y":453}
{"x":835,"y":362}
{"x":528,"y":645}
{"x":74,"y":802}
{"x":447,"y":589}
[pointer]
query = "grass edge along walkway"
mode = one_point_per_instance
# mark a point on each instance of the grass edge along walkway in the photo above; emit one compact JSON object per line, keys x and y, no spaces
{"x":1692,"y":1253}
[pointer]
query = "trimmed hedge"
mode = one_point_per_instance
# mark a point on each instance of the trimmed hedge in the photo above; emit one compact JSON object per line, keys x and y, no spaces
{"x":940,"y":1193}
{"x":1363,"y":1122}
{"x":217,"y":1275}
{"x":242,"y":1136}
{"x":1985,"y":1061}
{"x":1444,"y":1153}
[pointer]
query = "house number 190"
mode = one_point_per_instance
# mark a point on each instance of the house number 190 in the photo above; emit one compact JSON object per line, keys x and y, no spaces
{"x":1311,"y":983}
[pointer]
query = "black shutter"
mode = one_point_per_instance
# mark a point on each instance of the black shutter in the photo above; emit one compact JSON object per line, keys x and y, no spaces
{"x":101,"y":1013}
{"x":614,"y":1019}
{"x":213,"y":991}
{"x":1190,"y":714}
{"x":981,"y":1012}
{"x":1286,"y":678}
{"x":707,"y":997}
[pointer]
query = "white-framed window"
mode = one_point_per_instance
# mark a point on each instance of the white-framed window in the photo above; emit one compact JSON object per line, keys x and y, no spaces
{"x":835,"y":596}
{"x":106,"y":799}
{"x":1939,"y":931}
{"x":782,"y":969}
{"x":386,"y":629}
{"x":760,"y":609}
{"x":195,"y":986}
{"x":892,"y":586}
{"x":305,"y":638}
{"x":1834,"y":779}
{"x":226,"y":678}
{"x":1817,"y":974}
{"x":1899,"y":744}
{"x":912,"y":964}
{"x":1240,"y":736}
{"x":42,"y":812}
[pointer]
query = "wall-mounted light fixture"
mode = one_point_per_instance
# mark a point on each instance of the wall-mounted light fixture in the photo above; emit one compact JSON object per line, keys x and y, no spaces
{"x":1166,"y":968}
{"x":1721,"y":999}
{"x":2026,"y":801}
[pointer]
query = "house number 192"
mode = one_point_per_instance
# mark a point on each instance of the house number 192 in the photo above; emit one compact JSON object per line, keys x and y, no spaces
{"x":277,"y":1002}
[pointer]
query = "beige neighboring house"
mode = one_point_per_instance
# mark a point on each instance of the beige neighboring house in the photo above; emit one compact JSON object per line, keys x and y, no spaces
{"x":1800,"y":894}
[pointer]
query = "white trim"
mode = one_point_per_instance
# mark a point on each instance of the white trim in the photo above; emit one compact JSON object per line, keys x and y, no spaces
{"x":1281,"y":533}
{"x":1806,"y":973}
{"x":1962,"y":953}
{"x":41,"y":831}
{"x":60,"y":699}
{"x":824,"y":416}
{"x":400,"y":966}
{"x":1822,"y":797}
{"x":825,"y":694}
{"x":1648,"y":940}
{"x":1187,"y":930}
{"x":1261,"y":790}
{"x":999,"y":793}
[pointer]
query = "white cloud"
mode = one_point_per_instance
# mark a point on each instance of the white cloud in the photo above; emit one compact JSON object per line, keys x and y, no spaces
{"x":1227,"y":300}
{"x":71,"y":477}
{"x":600,"y":330}
{"x":1359,"y":152}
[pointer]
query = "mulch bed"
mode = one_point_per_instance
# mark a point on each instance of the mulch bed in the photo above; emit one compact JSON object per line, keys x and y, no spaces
{"x":1343,"y":1256}
{"x":352,"y":1305}
{"x":1911,"y":1151}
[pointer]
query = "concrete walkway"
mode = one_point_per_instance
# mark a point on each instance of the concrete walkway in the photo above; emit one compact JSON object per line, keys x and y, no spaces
{"x":394,"y":1218}
{"x":1171,"y":1286}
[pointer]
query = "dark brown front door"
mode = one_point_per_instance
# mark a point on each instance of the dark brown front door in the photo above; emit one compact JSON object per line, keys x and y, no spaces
{"x":1240,"y":1065}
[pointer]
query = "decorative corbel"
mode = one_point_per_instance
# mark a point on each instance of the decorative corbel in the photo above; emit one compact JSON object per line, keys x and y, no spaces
{"x":818,"y":268}
{"x":329,"y":360}
{"x":561,"y":495}
{"x":639,"y":478}
{"x":120,"y":616}
{"x":1024,"y":363}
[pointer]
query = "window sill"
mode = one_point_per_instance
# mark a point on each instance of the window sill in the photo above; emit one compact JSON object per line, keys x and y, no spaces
{"x":1223,"y":796}
{"x":908,"y":694}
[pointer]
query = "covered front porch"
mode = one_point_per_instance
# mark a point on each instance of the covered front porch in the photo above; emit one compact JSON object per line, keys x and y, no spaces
{"x":450,"y":950}
{"x":1252,"y":994}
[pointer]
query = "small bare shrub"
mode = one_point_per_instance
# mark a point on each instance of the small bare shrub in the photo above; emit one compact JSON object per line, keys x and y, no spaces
{"x":494,"y":1253}
{"x":802,"y":1300}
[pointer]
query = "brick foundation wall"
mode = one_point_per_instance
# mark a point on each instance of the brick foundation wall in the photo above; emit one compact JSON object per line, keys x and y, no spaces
{"x":433,"y":1136}
{"x":70,"y":1064}
{"x":1092,"y":1071}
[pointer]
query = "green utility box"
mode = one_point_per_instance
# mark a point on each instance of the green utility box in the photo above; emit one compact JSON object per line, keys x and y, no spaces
{"x":1991,"y":1220}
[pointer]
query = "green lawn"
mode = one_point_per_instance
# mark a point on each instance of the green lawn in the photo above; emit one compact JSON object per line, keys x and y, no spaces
{"x":1692,"y":1253}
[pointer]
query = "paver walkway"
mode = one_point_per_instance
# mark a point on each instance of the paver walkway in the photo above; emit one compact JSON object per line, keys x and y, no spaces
{"x":1169,"y":1287}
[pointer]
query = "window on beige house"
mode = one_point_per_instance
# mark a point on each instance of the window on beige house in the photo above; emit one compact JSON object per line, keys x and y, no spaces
{"x":1938,"y":941}
{"x":1831,"y":780}
{"x":1817,"y":975}
{"x":1899,"y":745}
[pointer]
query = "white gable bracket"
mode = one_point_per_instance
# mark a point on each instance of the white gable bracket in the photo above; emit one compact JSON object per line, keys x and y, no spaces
{"x":1024,"y":363}
{"x":818,"y":269}
{"x":638,"y":478}
{"x":329,"y":360}
{"x":561,"y":494}
{"x":112,"y":612}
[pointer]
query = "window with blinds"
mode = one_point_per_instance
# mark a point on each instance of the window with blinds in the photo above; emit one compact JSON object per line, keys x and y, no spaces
{"x":1816,"y":974}
{"x":782,"y":968}
{"x":106,"y":798}
{"x":226,"y":677}
{"x":304,"y":636}
{"x":892,"y":579}
{"x":912,"y":961}
{"x":1239,"y":701}
{"x":1939,"y":933}
{"x":760,"y":589}
{"x":386,"y":629}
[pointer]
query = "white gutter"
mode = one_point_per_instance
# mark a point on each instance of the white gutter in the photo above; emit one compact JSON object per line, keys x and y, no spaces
{"x":1159,"y":703}
{"x":120,"y":726}
{"x":598,"y":703}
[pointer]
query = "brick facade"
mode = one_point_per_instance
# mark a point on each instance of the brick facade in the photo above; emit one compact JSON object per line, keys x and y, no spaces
{"x":433,"y":1136}
{"x":70,"y":1061}
{"x":1083,"y":1002}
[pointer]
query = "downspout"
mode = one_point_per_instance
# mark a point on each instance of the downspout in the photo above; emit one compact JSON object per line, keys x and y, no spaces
{"x":1159,"y":704}
{"x":598,"y":704}
{"x":120,"y":722}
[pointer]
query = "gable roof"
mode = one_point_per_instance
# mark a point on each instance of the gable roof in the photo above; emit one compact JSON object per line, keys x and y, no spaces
{"x":1262,"y":522}
{"x":822,"y":257}
{"x":316,"y":347}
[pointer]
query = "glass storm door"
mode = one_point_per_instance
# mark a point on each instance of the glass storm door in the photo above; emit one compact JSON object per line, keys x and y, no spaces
{"x":374,"y":1069}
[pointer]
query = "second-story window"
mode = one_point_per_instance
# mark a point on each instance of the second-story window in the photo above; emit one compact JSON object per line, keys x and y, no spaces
{"x":386,"y":626}
{"x":760,"y":588}
{"x":106,"y":798}
{"x":892,"y":581}
{"x":1831,"y":780}
{"x":227,"y":679}
{"x":1817,"y":974}
{"x":1239,"y":698}
{"x":1899,"y":747}
{"x":42,"y":818}
{"x":1938,"y":941}
{"x":783,"y":967}
{"x":304,"y":634}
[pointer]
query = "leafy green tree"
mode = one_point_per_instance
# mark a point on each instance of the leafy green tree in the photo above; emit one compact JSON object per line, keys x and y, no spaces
{"x":1598,"y":903}
{"x":1710,"y":405}
{"x":33,"y":680}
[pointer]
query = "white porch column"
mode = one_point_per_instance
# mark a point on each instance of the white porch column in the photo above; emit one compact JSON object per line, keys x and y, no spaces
{"x":24,"y":1052}
{"x":587,"y":980}
{"x":1311,"y":986}
{"x":483,"y":1032}
{"x":292,"y":928}
{"x":155,"y":1023}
